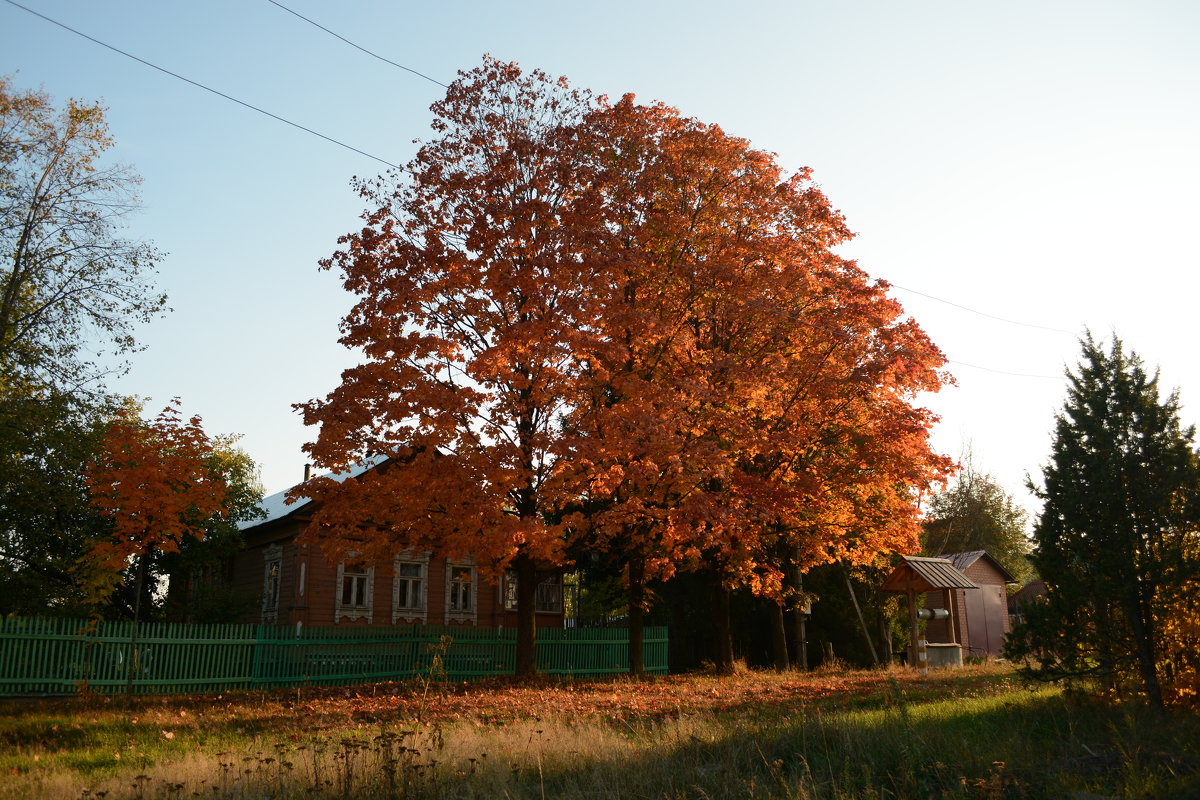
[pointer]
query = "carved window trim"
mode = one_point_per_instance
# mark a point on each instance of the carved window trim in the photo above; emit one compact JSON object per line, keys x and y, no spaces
{"x":420,"y":612}
{"x":342,"y":610}
{"x":549,"y":598}
{"x":456,"y":609}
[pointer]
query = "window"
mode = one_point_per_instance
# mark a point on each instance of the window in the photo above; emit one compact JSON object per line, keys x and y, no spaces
{"x":460,"y":592}
{"x":549,"y":597}
{"x":272,"y":575}
{"x":354,"y":587}
{"x":355,"y":590}
{"x":460,"y":588}
{"x":409,"y":587}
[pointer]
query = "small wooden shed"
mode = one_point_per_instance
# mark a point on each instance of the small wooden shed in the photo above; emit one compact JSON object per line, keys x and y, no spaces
{"x":978,"y":620}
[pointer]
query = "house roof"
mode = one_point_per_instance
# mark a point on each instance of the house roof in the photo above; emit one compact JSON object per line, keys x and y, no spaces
{"x":276,"y":506}
{"x":963,"y":560}
{"x":921,"y":574}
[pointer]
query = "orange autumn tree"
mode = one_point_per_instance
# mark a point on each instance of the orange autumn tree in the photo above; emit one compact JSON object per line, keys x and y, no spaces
{"x":155,"y":480}
{"x":474,"y":303}
{"x":614,"y":326}
{"x":754,"y":395}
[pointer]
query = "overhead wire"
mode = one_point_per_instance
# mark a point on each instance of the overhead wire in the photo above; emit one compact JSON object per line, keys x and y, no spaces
{"x":981,"y":313}
{"x":357,"y":46}
{"x":1006,"y":372}
{"x":199,"y":85}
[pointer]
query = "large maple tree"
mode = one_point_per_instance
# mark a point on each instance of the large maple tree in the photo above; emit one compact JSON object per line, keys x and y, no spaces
{"x":614,"y":326}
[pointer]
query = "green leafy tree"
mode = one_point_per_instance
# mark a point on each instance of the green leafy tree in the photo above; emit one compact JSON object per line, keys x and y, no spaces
{"x":976,"y":513}
{"x":1117,"y":533}
{"x":46,"y":520}
{"x":67,"y":278}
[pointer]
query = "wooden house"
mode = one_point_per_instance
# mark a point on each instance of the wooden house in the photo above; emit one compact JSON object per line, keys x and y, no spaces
{"x":980,"y":617}
{"x":296,"y":585}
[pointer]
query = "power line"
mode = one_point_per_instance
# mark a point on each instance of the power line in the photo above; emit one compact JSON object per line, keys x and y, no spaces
{"x":198,"y":85}
{"x":358,"y":46}
{"x":1005,"y":372}
{"x":981,"y":313}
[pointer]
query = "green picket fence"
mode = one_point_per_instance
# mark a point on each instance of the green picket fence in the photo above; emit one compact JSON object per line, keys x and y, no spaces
{"x":60,"y":656}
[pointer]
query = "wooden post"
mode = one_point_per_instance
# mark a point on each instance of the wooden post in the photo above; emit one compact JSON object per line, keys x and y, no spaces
{"x":912,"y":624}
{"x":950,"y":628}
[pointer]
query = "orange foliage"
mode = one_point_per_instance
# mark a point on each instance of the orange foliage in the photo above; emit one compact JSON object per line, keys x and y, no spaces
{"x":753,"y":391}
{"x":1179,"y":646}
{"x":155,"y":481}
{"x":583,"y":318}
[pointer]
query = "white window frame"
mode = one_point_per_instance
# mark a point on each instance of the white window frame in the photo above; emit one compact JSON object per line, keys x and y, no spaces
{"x":471,"y":613}
{"x":348,"y":612}
{"x":420,"y":612}
{"x":272,"y":589}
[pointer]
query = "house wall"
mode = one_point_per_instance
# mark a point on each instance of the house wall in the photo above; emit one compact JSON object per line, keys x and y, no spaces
{"x":310,"y":588}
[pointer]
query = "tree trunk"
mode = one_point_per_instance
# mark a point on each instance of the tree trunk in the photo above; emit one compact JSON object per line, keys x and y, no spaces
{"x":801,"y":619}
{"x":1143,"y":634}
{"x":527,"y":581}
{"x":779,"y":637}
{"x":723,"y":630}
{"x":885,"y":638}
{"x":131,"y":649}
{"x":637,"y":615}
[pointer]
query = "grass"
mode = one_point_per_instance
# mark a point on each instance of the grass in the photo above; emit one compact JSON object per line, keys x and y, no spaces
{"x":971,"y":733}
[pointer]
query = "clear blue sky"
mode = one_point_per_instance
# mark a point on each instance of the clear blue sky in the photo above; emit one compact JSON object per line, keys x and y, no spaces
{"x":1037,"y":161}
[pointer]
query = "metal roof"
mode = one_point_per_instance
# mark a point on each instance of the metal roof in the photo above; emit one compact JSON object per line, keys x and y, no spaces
{"x":963,"y":560}
{"x":921,"y":574}
{"x":276,"y":506}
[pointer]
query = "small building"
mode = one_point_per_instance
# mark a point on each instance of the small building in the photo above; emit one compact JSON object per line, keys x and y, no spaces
{"x":1026,"y":595}
{"x":296,"y":585}
{"x":980,"y":618}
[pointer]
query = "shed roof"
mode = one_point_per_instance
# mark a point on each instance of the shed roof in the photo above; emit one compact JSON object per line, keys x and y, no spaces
{"x":921,"y":574}
{"x":963,"y":560}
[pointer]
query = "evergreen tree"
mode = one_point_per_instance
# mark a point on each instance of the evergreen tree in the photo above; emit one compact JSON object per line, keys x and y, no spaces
{"x":1115,"y":534}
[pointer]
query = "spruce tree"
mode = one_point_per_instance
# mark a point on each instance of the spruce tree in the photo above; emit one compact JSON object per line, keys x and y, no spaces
{"x":1114,"y":534}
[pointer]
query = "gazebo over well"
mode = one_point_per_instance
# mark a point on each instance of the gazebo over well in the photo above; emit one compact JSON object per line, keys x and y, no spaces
{"x":921,"y":574}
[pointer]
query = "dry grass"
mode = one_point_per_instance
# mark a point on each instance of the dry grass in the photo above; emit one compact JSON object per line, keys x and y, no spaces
{"x":973,"y":733}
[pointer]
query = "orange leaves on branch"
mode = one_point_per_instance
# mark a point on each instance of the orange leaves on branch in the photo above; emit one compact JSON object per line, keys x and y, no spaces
{"x":156,"y":481}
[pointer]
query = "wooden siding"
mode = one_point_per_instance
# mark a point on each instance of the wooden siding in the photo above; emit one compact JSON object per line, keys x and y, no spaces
{"x":311,"y":601}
